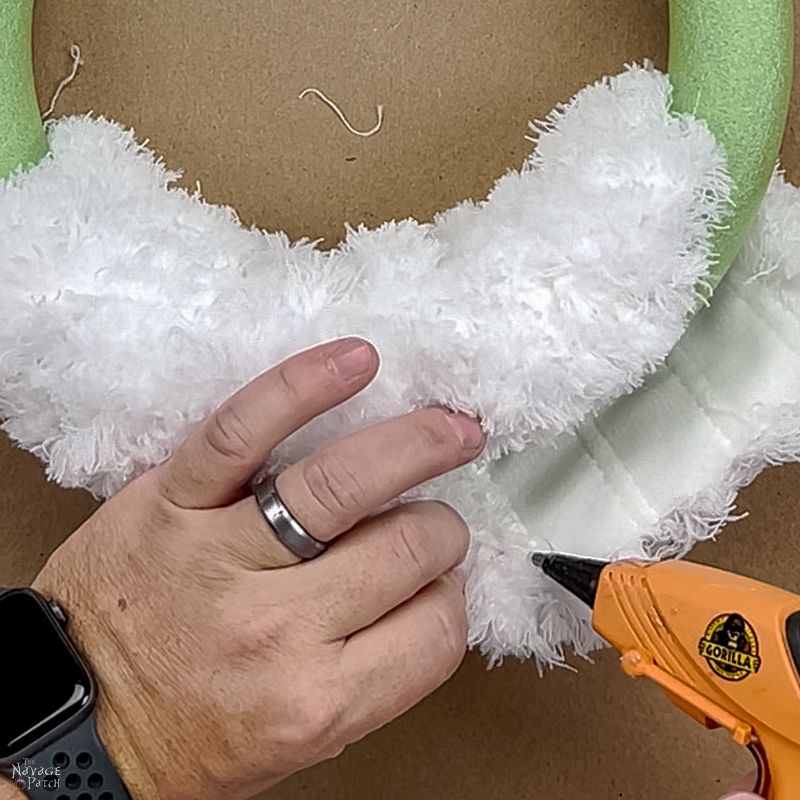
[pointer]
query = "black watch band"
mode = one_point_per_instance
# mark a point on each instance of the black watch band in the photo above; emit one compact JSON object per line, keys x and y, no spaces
{"x":79,"y":767}
{"x":51,"y":749}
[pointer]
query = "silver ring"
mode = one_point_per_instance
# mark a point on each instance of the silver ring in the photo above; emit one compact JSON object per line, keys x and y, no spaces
{"x":289,"y":532}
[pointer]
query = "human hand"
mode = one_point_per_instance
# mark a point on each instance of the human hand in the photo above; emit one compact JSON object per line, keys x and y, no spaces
{"x":737,"y":795}
{"x":742,"y":791}
{"x":224,"y":665}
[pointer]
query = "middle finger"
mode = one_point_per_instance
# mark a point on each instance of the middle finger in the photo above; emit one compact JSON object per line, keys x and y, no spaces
{"x":336,"y":487}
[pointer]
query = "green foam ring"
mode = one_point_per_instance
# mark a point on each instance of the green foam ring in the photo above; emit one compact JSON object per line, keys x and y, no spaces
{"x":730,"y":65}
{"x":22,"y":139}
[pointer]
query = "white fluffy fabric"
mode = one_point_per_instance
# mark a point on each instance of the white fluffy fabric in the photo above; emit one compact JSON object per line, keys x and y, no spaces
{"x":659,"y":470}
{"x":130,"y":309}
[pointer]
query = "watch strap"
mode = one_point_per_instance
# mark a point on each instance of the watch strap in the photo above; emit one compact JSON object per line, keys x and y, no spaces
{"x":81,"y":765}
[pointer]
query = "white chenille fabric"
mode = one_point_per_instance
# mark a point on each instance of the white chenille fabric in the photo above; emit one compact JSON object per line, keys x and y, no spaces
{"x":660,"y":469}
{"x":131,"y":308}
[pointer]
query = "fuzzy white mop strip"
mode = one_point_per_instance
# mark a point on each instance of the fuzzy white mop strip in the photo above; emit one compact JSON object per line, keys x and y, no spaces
{"x":130,"y":309}
{"x":661,"y":469}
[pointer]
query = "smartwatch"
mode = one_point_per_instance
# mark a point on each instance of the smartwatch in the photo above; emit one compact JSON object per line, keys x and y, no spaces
{"x":49,"y":746}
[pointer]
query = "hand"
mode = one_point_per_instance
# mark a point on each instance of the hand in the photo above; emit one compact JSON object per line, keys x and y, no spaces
{"x":736,"y":795}
{"x":741,"y":792}
{"x":224,"y":665}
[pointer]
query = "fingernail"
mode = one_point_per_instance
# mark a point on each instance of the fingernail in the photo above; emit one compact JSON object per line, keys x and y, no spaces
{"x":468,"y":430}
{"x":351,"y":359}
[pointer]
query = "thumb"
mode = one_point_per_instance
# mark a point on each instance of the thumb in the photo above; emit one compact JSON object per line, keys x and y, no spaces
{"x":741,"y":796}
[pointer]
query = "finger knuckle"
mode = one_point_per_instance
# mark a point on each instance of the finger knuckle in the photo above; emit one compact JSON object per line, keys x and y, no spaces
{"x":311,"y":728}
{"x":253,"y":636}
{"x":412,"y":543}
{"x":233,"y":747}
{"x":449,"y":523}
{"x":333,"y":486}
{"x":278,"y":623}
{"x":228,"y":434}
{"x":450,"y":620}
{"x":163,"y":521}
{"x":291,"y":385}
{"x":438,"y":438}
{"x":149,"y":494}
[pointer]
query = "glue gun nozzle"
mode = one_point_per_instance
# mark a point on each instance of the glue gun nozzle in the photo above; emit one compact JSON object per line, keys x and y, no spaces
{"x":580,"y":576}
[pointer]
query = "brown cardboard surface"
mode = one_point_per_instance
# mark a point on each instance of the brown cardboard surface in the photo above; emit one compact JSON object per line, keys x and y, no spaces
{"x":214,"y":86}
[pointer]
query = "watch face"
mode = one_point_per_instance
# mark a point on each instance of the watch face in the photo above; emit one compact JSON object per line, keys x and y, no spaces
{"x":43,"y":684}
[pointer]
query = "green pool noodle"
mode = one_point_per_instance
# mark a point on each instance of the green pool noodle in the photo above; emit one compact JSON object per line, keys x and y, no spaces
{"x":22,"y":139}
{"x":730,"y":65}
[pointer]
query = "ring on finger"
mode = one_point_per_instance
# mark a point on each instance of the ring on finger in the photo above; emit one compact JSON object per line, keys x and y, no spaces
{"x":289,"y":532}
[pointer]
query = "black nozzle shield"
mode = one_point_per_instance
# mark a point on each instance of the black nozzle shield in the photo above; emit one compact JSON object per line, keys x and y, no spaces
{"x":581,"y":576}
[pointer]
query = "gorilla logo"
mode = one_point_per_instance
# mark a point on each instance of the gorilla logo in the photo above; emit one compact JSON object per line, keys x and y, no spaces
{"x":732,"y":634}
{"x":730,"y":646}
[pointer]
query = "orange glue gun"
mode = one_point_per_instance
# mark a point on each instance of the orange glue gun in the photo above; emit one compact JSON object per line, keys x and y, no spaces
{"x":725,"y":649}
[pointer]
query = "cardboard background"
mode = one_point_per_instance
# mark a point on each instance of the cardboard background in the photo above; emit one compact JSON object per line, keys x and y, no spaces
{"x":214,"y":86}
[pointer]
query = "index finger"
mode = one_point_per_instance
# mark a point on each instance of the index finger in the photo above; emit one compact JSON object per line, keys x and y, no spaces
{"x":222,"y":454}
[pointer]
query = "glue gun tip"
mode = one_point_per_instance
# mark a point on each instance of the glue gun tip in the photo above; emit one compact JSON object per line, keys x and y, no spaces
{"x":538,"y":559}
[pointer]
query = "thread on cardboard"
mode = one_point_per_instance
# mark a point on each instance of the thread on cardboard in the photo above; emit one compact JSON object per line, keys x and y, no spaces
{"x":339,"y":113}
{"x":77,"y":63}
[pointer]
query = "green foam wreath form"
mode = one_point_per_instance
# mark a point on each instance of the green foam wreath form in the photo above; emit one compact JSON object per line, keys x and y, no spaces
{"x":730,"y":64}
{"x":131,"y":309}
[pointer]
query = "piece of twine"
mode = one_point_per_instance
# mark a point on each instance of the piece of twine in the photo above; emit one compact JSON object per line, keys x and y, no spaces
{"x":339,"y":113}
{"x":77,"y":63}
